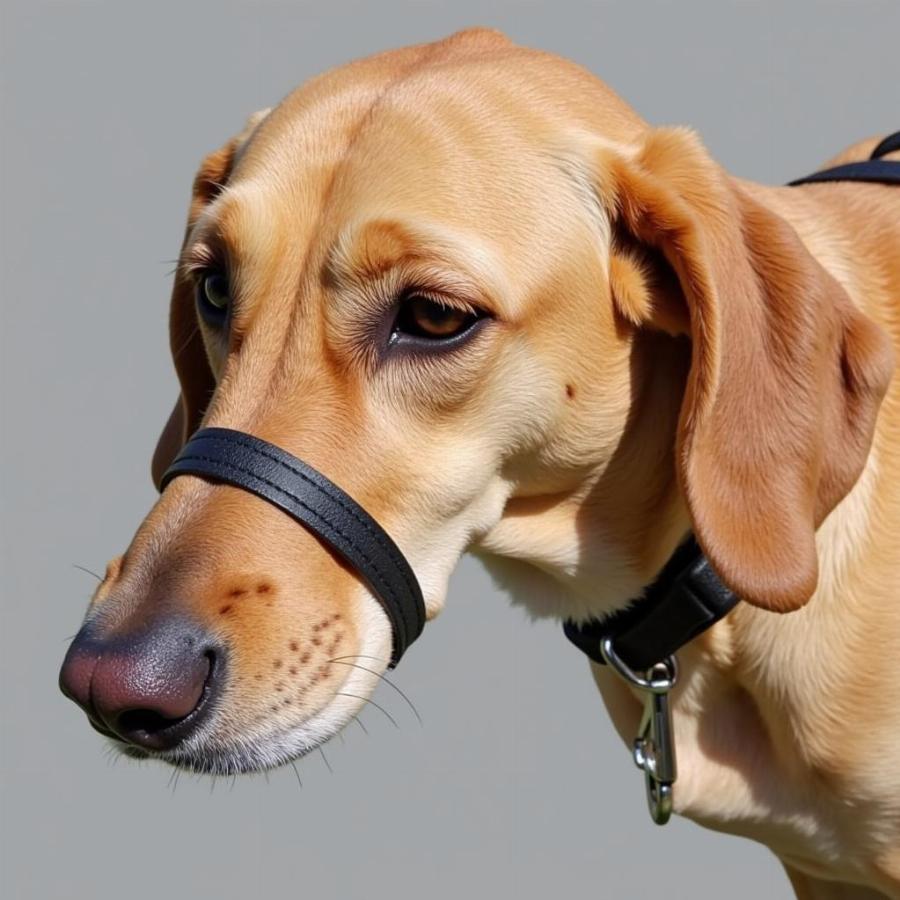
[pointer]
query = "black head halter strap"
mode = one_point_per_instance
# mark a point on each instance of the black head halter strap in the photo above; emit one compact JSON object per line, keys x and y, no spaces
{"x":305,"y":494}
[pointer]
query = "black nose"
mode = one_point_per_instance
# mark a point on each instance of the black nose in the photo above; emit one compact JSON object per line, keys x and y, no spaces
{"x":152,"y":688}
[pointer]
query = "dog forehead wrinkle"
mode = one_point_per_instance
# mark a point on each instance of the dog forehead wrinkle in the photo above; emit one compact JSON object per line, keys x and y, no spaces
{"x":251,"y":216}
{"x":320,"y":122}
{"x":460,"y":261}
{"x":314,"y":123}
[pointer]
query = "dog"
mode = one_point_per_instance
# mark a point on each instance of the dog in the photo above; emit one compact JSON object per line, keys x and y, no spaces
{"x":468,"y":283}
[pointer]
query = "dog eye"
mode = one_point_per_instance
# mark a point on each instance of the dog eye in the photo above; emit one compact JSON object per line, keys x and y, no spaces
{"x":213,"y":297}
{"x":421,"y":317}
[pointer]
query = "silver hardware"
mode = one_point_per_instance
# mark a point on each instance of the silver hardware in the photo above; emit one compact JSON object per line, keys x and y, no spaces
{"x":654,"y":746}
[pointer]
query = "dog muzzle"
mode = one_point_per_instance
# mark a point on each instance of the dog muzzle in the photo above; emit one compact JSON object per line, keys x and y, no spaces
{"x":232,"y":457}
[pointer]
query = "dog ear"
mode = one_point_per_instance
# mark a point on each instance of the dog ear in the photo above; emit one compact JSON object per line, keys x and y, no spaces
{"x":185,"y":340}
{"x":786,"y":375}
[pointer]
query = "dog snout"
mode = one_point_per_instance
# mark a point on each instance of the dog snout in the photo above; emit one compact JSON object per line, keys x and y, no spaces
{"x":151,"y":689}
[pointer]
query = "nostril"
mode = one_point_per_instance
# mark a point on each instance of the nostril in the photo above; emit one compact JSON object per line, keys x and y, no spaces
{"x":147,"y":721}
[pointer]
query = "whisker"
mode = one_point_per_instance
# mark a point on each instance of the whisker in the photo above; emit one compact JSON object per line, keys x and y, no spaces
{"x":373,"y":703}
{"x":385,"y":679}
{"x":112,"y":755}
{"x":364,"y":656}
{"x":187,"y":341}
{"x":297,"y":773}
{"x":89,"y":571}
{"x":325,"y":760}
{"x":359,"y":722}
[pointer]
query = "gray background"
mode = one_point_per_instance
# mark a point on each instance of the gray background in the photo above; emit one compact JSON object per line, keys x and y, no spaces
{"x":516,"y":786}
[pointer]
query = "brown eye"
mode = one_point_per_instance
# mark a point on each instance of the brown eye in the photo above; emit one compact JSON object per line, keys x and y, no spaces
{"x":422,"y":317}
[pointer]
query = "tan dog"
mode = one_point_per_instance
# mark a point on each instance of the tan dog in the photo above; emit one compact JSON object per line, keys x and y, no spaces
{"x":470,"y":285}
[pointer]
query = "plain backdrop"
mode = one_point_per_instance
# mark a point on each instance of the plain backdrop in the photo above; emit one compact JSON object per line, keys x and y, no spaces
{"x":516,"y":786}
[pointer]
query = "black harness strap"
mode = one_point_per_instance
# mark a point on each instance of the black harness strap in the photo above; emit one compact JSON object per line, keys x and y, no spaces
{"x":890,"y":144}
{"x":687,"y":596}
{"x":874,"y":169}
{"x":305,"y":494}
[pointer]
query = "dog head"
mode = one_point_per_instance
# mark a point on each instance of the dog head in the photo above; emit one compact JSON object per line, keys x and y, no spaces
{"x":470,"y":286}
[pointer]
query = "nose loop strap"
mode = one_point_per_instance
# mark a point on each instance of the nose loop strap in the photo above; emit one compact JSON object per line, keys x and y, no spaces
{"x":308,"y":497}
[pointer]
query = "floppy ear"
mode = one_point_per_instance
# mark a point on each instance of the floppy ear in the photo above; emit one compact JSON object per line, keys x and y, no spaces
{"x":185,"y":341}
{"x":786,"y":374}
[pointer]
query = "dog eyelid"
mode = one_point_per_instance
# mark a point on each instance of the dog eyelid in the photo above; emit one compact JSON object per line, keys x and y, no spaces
{"x":201,"y":254}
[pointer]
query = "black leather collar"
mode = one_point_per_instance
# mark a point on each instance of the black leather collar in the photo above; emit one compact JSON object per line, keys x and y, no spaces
{"x":305,"y":494}
{"x":686,"y":599}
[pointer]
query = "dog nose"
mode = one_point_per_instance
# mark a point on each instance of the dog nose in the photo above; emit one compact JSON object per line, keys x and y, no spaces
{"x":151,"y":689}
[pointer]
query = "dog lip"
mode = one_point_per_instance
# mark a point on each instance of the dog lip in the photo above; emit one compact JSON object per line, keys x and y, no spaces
{"x":131,"y":750}
{"x":99,"y":727}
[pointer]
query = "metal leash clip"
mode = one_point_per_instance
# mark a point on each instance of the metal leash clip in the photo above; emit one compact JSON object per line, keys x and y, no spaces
{"x":654,"y":746}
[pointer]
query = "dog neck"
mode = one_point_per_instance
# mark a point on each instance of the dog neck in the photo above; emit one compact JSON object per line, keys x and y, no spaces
{"x":604,"y":531}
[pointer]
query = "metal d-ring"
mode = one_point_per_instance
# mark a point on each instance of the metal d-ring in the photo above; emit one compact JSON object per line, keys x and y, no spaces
{"x":654,"y":746}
